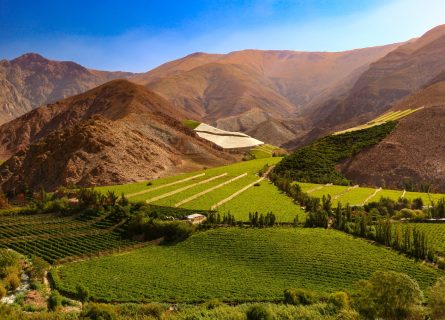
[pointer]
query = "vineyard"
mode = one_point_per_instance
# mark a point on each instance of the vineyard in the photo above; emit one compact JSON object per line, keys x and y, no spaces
{"x":263,"y":151}
{"x":359,"y":195}
{"x":55,"y":238}
{"x":390,"y":116}
{"x":435,"y":232}
{"x":205,"y":189}
{"x":234,"y":264}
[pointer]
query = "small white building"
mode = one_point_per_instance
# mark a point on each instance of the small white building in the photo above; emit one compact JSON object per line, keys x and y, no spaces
{"x":196,"y":218}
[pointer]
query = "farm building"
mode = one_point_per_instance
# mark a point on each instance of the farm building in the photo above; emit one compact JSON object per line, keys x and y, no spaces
{"x":226,"y":139}
{"x":196,"y":218}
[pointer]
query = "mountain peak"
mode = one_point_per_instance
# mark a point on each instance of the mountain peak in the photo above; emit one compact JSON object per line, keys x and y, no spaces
{"x":30,"y":57}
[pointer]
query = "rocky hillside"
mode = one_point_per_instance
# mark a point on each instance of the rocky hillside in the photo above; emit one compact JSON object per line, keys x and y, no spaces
{"x":254,"y":91}
{"x":30,"y":81}
{"x":116,"y":133}
{"x":413,"y":155}
{"x":410,"y":67}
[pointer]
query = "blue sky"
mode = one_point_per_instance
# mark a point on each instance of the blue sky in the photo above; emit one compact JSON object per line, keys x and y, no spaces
{"x":139,"y":35}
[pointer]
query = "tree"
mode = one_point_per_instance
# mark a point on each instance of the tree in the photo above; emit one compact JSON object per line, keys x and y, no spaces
{"x":54,"y":301}
{"x":82,"y":293}
{"x":388,"y":295}
{"x":436,"y":300}
{"x":2,"y":291}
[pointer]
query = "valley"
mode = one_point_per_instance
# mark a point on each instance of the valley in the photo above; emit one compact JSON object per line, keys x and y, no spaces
{"x":242,"y":185}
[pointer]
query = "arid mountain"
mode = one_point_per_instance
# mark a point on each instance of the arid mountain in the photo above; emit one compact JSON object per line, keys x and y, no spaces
{"x":245,"y":90}
{"x":30,"y":81}
{"x":414,"y":153}
{"x":115,"y":133}
{"x":403,"y":71}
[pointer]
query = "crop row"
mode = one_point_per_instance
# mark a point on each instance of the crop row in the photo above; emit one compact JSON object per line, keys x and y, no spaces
{"x":239,"y":265}
{"x":58,"y":248}
{"x":356,"y":196}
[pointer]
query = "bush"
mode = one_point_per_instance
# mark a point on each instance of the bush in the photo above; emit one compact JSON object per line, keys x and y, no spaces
{"x":388,"y":295}
{"x":54,"y":301}
{"x":2,"y":291}
{"x":154,"y":310}
{"x":12,"y":281}
{"x":212,"y":304}
{"x":436,"y":300}
{"x":340,"y":300}
{"x":299,"y":297}
{"x":96,"y":311}
{"x":82,"y":293}
{"x":259,"y":312}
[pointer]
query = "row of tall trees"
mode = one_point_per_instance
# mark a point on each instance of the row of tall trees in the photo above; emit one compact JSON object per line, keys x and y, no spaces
{"x":372,"y":222}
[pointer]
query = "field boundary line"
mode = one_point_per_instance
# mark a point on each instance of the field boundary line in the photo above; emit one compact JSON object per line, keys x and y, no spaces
{"x":242,"y":190}
{"x":236,"y":194}
{"x":131,"y":195}
{"x":372,"y":195}
{"x":107,"y":252}
{"x":209,"y":190}
{"x":168,"y":194}
{"x":344,"y":192}
{"x":319,"y":187}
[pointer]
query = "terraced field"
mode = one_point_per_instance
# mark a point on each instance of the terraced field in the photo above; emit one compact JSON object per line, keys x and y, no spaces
{"x":390,"y":116}
{"x":263,"y":151}
{"x":204,"y":189}
{"x":54,"y":238}
{"x":359,"y":195}
{"x":234,"y":264}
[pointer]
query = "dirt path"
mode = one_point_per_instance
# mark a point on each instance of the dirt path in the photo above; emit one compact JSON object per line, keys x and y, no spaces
{"x":163,"y":186}
{"x":344,"y":192}
{"x":209,"y":190}
{"x":319,"y":187}
{"x":168,"y":194}
{"x":403,"y":194}
{"x":241,"y":190}
{"x":372,"y":196}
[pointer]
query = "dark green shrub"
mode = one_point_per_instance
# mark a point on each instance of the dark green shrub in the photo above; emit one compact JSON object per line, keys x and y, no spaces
{"x":259,"y":312}
{"x":339,"y":299}
{"x":96,"y":311}
{"x":54,"y":301}
{"x":299,"y":297}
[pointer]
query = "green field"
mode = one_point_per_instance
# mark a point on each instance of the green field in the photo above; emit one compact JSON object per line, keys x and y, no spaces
{"x":263,"y":151}
{"x":390,"y":116}
{"x":435,"y":233}
{"x":357,"y":196}
{"x":53,"y":238}
{"x":259,"y":199}
{"x":234,"y":264}
{"x":192,"y":124}
{"x":263,"y":199}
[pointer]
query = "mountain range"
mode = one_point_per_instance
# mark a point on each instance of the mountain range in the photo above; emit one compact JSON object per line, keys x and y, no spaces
{"x":286,"y":98}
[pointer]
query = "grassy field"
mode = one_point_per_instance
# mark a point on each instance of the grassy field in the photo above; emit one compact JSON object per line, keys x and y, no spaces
{"x":234,"y":264}
{"x":263,"y":151}
{"x":259,"y":199}
{"x":263,"y":199}
{"x":192,"y":124}
{"x":356,"y":196}
{"x":390,"y":116}
{"x":53,"y":238}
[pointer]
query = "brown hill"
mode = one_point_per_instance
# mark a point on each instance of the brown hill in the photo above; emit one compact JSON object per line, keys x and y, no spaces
{"x":30,"y":81}
{"x":414,"y":153}
{"x":118,"y":132}
{"x":241,"y":90}
{"x":400,"y":73}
